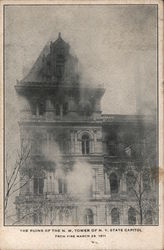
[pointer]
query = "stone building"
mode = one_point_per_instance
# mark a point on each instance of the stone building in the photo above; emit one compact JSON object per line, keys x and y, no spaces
{"x":85,"y":167}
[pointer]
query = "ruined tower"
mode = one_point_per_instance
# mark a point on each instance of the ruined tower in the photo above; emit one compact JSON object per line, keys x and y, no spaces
{"x":61,"y":120}
{"x":83,"y":165}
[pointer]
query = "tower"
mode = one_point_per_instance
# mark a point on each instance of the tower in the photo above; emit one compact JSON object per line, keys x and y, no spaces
{"x":82,"y":164}
{"x":61,"y":121}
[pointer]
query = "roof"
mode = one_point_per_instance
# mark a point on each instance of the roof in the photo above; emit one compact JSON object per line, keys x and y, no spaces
{"x":44,"y":69}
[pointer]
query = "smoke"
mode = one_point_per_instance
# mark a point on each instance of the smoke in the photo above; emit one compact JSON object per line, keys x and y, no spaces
{"x":51,"y":152}
{"x":79,"y":180}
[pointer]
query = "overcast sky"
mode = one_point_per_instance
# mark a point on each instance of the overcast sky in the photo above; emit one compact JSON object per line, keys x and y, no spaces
{"x":115,"y":45}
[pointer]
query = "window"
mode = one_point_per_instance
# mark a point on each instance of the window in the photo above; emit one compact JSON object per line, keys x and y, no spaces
{"x":62,"y":186}
{"x":115,"y":216}
{"x":37,"y":218}
{"x":130,"y":182}
{"x":85,"y":144}
{"x":148,"y":217}
{"x":112,"y":143}
{"x":113,"y":183}
{"x":60,"y":71}
{"x":65,"y":108}
{"x":88,"y":217}
{"x":33,"y":107}
{"x":61,"y":51}
{"x":63,"y":145}
{"x":146,"y":181}
{"x":57,"y":109}
{"x":60,"y":216}
{"x":37,"y":107}
{"x":41,"y":107}
{"x":38,"y":185}
{"x":132,"y":216}
{"x":60,"y":55}
{"x":67,"y":215}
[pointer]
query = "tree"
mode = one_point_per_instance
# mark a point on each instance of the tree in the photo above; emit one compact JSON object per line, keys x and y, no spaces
{"x":12,"y":174}
{"x":142,"y":173}
{"x":139,"y":188}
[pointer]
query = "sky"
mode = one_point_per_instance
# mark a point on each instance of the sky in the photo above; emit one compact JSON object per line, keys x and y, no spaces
{"x":116,"y":46}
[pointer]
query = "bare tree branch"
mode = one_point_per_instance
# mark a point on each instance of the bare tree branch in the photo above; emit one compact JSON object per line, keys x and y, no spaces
{"x":11,"y":181}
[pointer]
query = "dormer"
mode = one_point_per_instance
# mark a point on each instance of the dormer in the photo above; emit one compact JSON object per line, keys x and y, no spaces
{"x":59,"y":49}
{"x":59,"y":53}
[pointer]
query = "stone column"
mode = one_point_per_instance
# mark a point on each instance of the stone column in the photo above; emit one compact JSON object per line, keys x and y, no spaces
{"x":76,"y":142}
{"x":123,"y":184}
{"x":94,"y":181}
{"x":72,"y":142}
{"x":49,"y":110}
{"x":95,"y":216}
{"x":31,"y":185}
{"x":47,"y":148}
{"x":53,"y":182}
{"x":107,"y":184}
{"x":124,"y":219}
{"x":45,"y":185}
{"x":56,"y":185}
{"x":107,"y":214}
{"x":49,"y":182}
{"x":95,"y":143}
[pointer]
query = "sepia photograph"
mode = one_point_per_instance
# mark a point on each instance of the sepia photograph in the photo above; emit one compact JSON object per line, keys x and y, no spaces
{"x":81,"y":115}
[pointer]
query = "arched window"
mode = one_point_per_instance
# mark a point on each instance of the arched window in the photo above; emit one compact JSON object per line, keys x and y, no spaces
{"x":85,"y":144}
{"x":130,"y":182}
{"x":113,"y":183}
{"x":148,"y":217}
{"x":88,"y":217}
{"x":132,"y":216}
{"x":115,"y":216}
{"x":57,"y":109}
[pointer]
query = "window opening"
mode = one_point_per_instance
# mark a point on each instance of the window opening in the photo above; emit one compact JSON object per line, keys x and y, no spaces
{"x":113,"y":183}
{"x":115,"y":216}
{"x":38,"y":185}
{"x":132,"y":216}
{"x":88,"y":217}
{"x":85,"y":144}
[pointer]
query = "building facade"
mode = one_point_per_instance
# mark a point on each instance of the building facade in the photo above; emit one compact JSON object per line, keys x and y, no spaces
{"x":85,"y":168}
